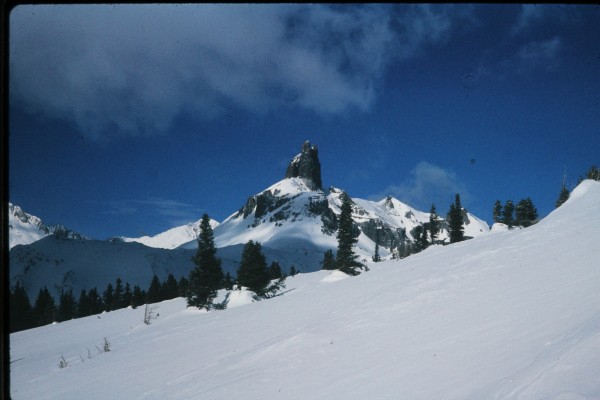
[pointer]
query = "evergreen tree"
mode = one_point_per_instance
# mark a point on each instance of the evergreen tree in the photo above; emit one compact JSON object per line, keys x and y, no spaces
{"x":228,"y":282}
{"x":182,"y":286}
{"x":207,"y":277}
{"x":154,"y":291}
{"x":376,"y":256}
{"x":525,"y":213}
{"x":293,"y":270}
{"x":44,"y":309}
{"x":126,"y":296}
{"x":96,"y":303}
{"x":497,"y":212}
{"x":253,"y":272}
{"x":593,"y":173}
{"x":117,"y":298}
{"x":108,"y":297}
{"x":434,"y":224}
{"x":275,"y":270}
{"x":170,"y":289}
{"x":563,"y":196}
{"x":417,"y":233}
{"x":84,"y":307}
{"x":507,"y":214}
{"x":346,"y":259}
{"x":20,"y":311}
{"x":137,"y":297}
{"x":328,"y":260}
{"x":455,"y":221}
{"x":67,"y":306}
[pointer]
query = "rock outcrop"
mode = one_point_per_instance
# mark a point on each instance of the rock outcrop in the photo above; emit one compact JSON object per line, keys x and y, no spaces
{"x":306,"y":165}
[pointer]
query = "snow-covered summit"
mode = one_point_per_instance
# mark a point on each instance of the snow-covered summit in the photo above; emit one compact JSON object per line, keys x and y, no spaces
{"x":24,"y":228}
{"x":172,"y":238}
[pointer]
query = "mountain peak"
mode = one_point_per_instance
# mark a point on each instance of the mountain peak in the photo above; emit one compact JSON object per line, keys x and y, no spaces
{"x":306,"y":165}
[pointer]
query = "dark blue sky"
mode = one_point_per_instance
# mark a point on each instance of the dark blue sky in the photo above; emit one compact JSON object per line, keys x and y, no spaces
{"x":130,"y":120}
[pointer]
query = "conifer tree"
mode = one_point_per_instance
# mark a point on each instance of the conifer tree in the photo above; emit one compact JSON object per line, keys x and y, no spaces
{"x":328,"y":262}
{"x":228,"y":281}
{"x":44,"y":309}
{"x":207,"y":277}
{"x":346,"y":259}
{"x":563,"y":196}
{"x":593,"y":173}
{"x":20,"y":311}
{"x":84,"y":307}
{"x":253,"y":272}
{"x":170,"y":288}
{"x":497,"y":212}
{"x":275,"y":270}
{"x":96,"y":303}
{"x":137,"y":297}
{"x":525,"y":213}
{"x":434,"y":224}
{"x":182,"y":286}
{"x":117,"y":298}
{"x":108,"y":297}
{"x":293,"y":271}
{"x":507,"y":214}
{"x":154,"y":291}
{"x":67,"y":306}
{"x":126,"y":300}
{"x":455,"y":221}
{"x":376,"y":256}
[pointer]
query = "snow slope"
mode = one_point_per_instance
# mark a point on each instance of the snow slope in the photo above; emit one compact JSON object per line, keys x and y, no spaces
{"x":173,"y":237}
{"x":24,"y":228}
{"x":512,"y":315}
{"x":293,"y":213}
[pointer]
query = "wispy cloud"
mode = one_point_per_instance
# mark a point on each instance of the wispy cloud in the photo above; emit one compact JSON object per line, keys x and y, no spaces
{"x":539,"y":54}
{"x":528,"y":16}
{"x":132,"y":69}
{"x":428,"y":184}
{"x":173,"y":212}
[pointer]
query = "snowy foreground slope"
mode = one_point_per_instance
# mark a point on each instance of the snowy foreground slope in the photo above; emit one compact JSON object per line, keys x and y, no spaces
{"x":509,"y":315}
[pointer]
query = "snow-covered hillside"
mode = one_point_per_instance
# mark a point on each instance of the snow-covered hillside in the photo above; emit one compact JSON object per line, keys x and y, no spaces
{"x":509,"y":315}
{"x":24,"y":228}
{"x":290,"y":211}
{"x":172,"y":238}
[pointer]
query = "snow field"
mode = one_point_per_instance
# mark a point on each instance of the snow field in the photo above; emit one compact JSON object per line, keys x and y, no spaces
{"x":513,"y":315}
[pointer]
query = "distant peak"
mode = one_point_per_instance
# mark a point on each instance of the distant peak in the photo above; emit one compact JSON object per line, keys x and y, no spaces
{"x":306,"y":165}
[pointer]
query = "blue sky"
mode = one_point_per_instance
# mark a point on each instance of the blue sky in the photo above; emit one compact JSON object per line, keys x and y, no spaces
{"x":127,"y":120}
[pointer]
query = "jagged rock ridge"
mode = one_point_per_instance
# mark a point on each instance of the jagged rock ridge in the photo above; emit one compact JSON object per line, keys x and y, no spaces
{"x":306,"y":165}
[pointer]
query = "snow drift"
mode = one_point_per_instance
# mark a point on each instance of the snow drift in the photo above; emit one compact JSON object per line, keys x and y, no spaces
{"x":510,"y":315}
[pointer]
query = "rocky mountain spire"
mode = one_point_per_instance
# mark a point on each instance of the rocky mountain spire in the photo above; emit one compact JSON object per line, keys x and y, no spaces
{"x":306,"y":165}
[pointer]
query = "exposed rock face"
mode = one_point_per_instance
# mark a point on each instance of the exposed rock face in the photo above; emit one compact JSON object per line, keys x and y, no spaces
{"x":306,"y":165}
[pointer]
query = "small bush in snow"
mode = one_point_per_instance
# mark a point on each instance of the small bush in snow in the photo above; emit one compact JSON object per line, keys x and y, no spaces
{"x":63,"y":363}
{"x":149,"y":314}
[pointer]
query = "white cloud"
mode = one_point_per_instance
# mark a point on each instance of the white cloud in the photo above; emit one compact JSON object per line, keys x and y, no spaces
{"x":530,"y":14}
{"x":133,"y":68}
{"x":428,"y":184}
{"x":540,"y":53}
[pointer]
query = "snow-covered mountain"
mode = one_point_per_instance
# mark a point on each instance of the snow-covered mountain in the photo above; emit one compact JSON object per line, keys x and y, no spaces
{"x":24,"y":228}
{"x":172,"y":238}
{"x":297,"y":212}
{"x":295,"y":220}
{"x":510,"y":315}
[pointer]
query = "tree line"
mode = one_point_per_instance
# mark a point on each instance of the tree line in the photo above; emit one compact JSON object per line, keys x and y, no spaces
{"x":45,"y":309}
